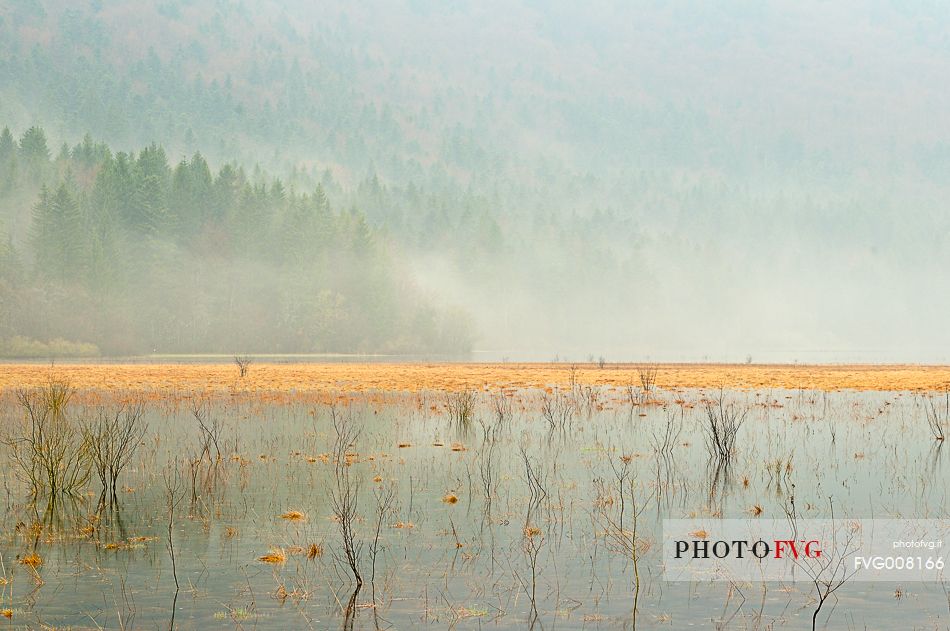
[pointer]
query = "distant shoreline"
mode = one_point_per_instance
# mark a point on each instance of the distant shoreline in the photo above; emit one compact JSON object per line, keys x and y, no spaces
{"x":412,"y":376}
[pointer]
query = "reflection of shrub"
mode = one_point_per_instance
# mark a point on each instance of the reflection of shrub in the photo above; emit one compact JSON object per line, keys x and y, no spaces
{"x":19,"y":346}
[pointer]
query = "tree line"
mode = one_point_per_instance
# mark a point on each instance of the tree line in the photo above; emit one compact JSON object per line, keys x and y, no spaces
{"x":132,"y":253}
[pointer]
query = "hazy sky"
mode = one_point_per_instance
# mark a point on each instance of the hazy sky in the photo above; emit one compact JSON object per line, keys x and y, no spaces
{"x":668,"y":180}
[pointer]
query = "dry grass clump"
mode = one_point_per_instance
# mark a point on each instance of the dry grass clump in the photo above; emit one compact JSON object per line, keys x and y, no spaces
{"x":294,"y":516}
{"x":461,"y":408}
{"x":314,"y":551}
{"x":531,"y":531}
{"x":32,"y":560}
{"x":276,"y":556}
{"x":451,"y":498}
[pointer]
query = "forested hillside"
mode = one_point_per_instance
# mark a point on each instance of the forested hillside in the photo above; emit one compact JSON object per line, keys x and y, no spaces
{"x":136,"y":255}
{"x":621,"y":178}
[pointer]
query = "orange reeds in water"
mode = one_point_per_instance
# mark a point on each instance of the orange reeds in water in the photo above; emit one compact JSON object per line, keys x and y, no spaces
{"x":276,"y":556}
{"x":451,"y":498}
{"x":6,"y":613}
{"x":531,"y":531}
{"x":294,"y":515}
{"x":287,"y":383}
{"x":314,"y":551}
{"x":32,"y":560}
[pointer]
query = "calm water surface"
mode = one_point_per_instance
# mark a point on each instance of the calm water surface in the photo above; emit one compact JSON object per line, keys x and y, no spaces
{"x":491,"y":524}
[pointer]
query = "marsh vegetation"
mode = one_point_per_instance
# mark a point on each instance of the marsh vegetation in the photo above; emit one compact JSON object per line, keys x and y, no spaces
{"x":441,"y":509}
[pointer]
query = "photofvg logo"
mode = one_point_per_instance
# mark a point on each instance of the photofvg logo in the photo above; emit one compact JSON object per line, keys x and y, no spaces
{"x":703,"y":548}
{"x":804,"y":549}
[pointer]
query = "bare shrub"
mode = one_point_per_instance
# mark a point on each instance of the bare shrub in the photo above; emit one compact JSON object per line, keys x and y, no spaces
{"x":634,"y":395}
{"x":385,"y":500}
{"x":647,"y":374}
{"x":620,"y":529}
{"x":938,"y":419}
{"x":208,"y":456}
{"x":502,"y":406}
{"x":724,"y":420}
{"x":47,"y":448}
{"x":243,"y":363}
{"x":557,"y":408}
{"x":490,"y":432}
{"x":829,"y":571}
{"x":487,"y":469}
{"x":536,"y":482}
{"x":210,"y":432}
{"x":461,"y":407}
{"x":112,"y":440}
{"x":344,"y":491}
{"x":665,"y":441}
{"x":533,"y":539}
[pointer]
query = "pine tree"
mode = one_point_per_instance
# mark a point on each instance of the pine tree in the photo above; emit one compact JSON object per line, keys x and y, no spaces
{"x":33,"y":148}
{"x":57,"y":235}
{"x":149,"y":196}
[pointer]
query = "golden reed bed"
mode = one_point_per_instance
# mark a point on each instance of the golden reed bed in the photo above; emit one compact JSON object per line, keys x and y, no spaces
{"x":303,"y":378}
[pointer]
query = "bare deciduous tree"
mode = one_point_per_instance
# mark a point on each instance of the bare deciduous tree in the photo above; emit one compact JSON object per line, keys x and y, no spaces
{"x":112,"y":440}
{"x":243,"y":363}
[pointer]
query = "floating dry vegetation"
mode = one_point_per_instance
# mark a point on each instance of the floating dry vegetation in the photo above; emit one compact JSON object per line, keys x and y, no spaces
{"x":276,"y":556}
{"x":294,"y":516}
{"x":450,"y":498}
{"x":32,"y":560}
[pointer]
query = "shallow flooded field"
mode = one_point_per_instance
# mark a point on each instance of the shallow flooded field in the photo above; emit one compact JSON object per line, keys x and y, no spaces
{"x":495,"y":508}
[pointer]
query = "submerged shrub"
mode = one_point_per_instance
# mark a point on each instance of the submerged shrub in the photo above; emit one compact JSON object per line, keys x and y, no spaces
{"x":49,"y":450}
